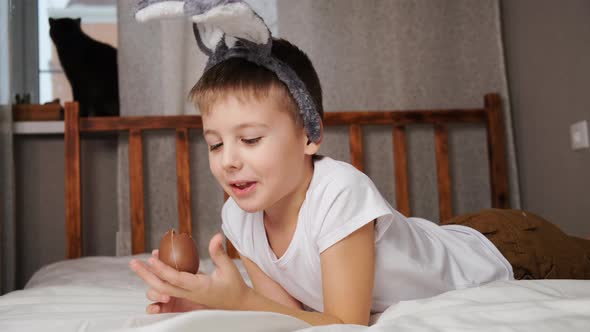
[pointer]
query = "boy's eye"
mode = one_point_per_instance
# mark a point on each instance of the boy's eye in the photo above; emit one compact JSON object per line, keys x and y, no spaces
{"x":251,"y":141}
{"x":215,"y":146}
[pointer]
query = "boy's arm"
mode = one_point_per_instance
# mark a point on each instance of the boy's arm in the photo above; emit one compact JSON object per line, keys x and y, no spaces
{"x":265,"y":286}
{"x":348,"y":275}
{"x":347,"y":280}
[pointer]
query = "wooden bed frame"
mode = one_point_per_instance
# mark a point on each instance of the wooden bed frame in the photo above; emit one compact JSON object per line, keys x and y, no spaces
{"x":490,"y":114}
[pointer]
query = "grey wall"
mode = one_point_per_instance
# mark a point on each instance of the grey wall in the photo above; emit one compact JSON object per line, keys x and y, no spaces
{"x":547,"y":45}
{"x":40,"y":196}
{"x":409,"y":54}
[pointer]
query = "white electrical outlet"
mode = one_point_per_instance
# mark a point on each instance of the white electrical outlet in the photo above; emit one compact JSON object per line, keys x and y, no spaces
{"x":579,"y":135}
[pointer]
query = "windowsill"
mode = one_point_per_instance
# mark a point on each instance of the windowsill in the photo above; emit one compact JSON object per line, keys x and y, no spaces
{"x":38,"y":127}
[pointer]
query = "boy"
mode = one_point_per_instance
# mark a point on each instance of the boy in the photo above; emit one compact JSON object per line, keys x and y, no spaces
{"x":318,"y":240}
{"x":313,"y":233}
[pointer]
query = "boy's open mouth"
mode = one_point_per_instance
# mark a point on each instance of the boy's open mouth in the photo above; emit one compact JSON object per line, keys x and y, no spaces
{"x":242,"y":188}
{"x":243,"y":185}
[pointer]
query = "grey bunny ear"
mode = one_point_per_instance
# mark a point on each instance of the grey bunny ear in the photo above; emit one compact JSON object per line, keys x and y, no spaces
{"x":204,"y":48}
{"x":214,"y":19}
{"x":152,"y":9}
{"x":231,"y":19}
{"x":207,"y":36}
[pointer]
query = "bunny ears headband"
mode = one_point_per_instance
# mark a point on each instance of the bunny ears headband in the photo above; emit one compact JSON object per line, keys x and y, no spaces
{"x":227,"y":29}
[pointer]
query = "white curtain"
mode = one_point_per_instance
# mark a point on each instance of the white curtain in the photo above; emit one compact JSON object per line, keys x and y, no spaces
{"x":7,"y":205}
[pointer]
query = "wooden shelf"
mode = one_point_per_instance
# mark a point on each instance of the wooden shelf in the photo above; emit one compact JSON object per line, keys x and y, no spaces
{"x":37,"y":112}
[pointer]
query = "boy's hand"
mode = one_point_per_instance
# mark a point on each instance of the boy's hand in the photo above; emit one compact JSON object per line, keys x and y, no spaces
{"x":164,"y":303}
{"x":224,"y":288}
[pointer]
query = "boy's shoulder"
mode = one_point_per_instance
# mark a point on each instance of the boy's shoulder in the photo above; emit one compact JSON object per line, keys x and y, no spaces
{"x":337,"y":174}
{"x":338,"y":183}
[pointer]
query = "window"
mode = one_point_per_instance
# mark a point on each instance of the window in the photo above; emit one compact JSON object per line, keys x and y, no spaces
{"x":99,"y":21}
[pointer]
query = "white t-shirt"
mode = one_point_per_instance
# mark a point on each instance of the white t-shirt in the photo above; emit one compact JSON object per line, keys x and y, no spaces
{"x":414,"y":258}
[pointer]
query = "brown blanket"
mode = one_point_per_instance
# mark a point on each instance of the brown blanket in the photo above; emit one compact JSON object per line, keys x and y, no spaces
{"x":536,"y":248}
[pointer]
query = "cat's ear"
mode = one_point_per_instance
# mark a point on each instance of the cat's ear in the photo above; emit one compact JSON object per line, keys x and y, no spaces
{"x":78,"y":20}
{"x":51,"y":20}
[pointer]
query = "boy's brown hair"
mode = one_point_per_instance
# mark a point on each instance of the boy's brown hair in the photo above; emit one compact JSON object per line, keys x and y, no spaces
{"x":244,"y":79}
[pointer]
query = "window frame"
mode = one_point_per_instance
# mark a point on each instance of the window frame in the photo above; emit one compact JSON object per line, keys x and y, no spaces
{"x":24,"y":49}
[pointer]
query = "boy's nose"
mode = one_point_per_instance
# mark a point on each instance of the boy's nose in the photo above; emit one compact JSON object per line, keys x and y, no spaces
{"x":231,"y":158}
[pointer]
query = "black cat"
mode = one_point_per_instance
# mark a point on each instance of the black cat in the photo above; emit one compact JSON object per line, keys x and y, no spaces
{"x":89,"y":65}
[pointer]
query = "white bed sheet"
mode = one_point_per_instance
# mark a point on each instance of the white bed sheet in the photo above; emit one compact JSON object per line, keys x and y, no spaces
{"x":102,"y":294}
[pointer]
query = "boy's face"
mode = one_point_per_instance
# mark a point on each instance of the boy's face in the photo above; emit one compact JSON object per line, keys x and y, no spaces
{"x":256,"y":151}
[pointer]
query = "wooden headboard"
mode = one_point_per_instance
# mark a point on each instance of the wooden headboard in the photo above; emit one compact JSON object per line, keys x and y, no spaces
{"x":490,"y":114}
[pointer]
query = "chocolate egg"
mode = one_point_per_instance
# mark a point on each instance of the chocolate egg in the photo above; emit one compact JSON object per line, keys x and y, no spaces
{"x":179,"y":251}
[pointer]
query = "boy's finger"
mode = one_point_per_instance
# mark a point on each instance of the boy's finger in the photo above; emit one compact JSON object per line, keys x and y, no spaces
{"x":217,"y":253}
{"x":156,"y":253}
{"x":153,"y":308}
{"x":183,"y":280}
{"x":154,"y":295}
{"x":152,"y":278}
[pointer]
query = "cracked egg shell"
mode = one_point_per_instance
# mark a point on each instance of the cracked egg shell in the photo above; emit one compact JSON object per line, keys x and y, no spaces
{"x":179,"y":252}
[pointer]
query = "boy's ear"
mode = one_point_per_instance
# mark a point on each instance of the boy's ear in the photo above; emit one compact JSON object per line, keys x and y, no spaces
{"x":312,"y":148}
